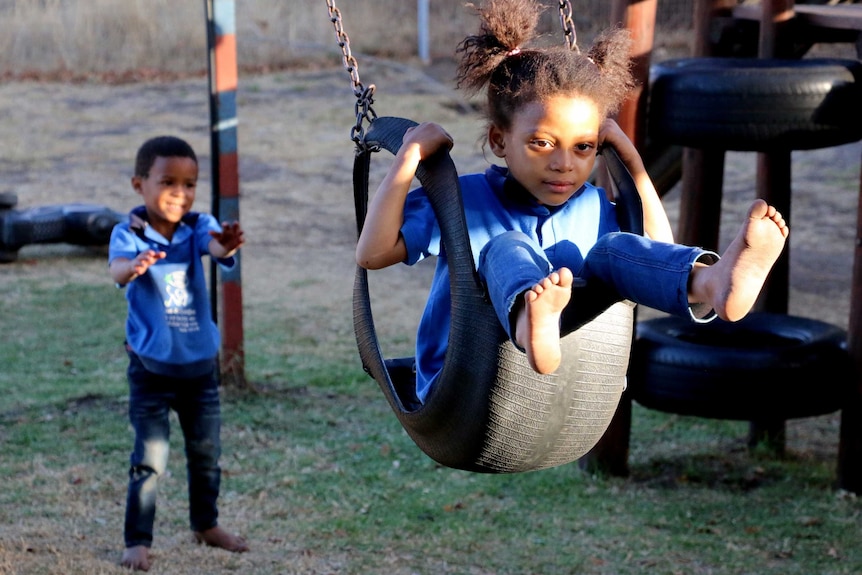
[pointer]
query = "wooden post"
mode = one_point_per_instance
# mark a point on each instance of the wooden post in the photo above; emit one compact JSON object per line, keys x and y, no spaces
{"x":850,"y":441}
{"x":638,"y":17}
{"x":775,"y":18}
{"x":774,"y":168}
{"x":702,"y":170}
{"x":773,"y":185}
{"x":611,"y":453}
{"x":223,"y":80}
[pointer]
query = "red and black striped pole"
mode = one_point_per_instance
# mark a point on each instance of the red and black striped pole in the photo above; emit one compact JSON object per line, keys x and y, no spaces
{"x":223,"y":80}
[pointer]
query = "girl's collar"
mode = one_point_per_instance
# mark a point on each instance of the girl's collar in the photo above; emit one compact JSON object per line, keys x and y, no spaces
{"x":518,"y":194}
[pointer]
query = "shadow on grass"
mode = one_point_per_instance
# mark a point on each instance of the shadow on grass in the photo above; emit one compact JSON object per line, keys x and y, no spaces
{"x":738,"y":471}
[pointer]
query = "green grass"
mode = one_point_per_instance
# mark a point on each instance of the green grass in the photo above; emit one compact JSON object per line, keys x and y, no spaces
{"x":56,"y":344}
{"x":317,"y":471}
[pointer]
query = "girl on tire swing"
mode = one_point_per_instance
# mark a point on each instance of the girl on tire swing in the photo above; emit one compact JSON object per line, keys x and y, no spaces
{"x":537,"y":224}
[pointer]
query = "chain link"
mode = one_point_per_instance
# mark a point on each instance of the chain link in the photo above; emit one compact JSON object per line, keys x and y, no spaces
{"x":568,"y":25}
{"x":364,"y":95}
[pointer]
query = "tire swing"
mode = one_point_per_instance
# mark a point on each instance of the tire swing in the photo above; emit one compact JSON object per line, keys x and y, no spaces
{"x":489,"y":411}
{"x":768,"y":367}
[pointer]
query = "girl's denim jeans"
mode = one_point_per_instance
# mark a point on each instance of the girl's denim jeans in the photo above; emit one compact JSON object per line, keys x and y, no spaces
{"x":196,"y":402}
{"x":623,"y":265}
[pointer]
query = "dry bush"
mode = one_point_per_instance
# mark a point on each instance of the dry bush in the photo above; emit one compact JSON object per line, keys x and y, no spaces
{"x":103,"y":35}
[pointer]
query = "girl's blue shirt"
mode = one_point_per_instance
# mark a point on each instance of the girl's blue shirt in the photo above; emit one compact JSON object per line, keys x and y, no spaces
{"x":494,"y":204}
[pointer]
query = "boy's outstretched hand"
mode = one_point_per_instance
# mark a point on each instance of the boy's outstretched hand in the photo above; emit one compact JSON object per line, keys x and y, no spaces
{"x":124,"y":270}
{"x":230,"y":239}
{"x":144,"y":260}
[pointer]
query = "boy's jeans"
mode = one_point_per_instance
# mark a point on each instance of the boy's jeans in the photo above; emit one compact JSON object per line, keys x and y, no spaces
{"x":623,"y":265}
{"x":196,"y":402}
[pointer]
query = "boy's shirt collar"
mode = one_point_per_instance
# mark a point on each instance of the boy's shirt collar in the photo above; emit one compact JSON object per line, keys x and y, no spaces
{"x":139,"y":223}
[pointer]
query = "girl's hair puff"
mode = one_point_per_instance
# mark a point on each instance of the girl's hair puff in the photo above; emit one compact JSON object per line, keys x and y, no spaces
{"x":514,"y":75}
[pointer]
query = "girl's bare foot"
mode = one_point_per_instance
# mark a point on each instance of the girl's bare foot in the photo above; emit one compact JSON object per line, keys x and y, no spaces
{"x":537,"y":328}
{"x":733,"y":284}
{"x":136,"y":558}
{"x":218,"y":537}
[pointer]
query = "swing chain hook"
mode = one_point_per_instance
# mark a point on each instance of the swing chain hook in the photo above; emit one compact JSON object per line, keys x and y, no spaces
{"x":568,"y":25}
{"x":364,"y":95}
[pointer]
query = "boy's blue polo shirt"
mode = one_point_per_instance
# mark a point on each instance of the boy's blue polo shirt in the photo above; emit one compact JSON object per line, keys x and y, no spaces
{"x":169,"y":324}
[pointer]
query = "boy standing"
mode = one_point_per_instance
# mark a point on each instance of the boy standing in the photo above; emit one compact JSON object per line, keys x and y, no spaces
{"x":172,"y":341}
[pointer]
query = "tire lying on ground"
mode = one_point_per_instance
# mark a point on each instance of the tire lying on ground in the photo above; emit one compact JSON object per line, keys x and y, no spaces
{"x":78,"y":224}
{"x":8,"y":200}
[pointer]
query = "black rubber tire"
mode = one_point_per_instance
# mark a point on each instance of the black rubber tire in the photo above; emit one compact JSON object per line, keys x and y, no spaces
{"x":764,"y":367}
{"x":8,"y":256}
{"x":489,"y":411}
{"x":751,"y":104}
{"x":79,"y":224}
{"x":8,"y":200}
{"x":38,"y":225}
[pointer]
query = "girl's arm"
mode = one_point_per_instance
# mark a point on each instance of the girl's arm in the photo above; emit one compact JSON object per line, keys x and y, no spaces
{"x":656,"y":224}
{"x":380,"y":244}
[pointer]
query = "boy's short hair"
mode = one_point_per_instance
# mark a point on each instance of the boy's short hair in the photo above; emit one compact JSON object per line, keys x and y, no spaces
{"x":161,"y":147}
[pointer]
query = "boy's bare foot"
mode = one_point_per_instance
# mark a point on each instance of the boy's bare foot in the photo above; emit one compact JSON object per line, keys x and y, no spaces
{"x":136,"y":558}
{"x":733,"y":284}
{"x":537,"y":328}
{"x":218,"y":537}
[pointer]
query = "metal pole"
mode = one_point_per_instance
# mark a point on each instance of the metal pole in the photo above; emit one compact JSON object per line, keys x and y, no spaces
{"x":422,"y":30}
{"x":223,"y":80}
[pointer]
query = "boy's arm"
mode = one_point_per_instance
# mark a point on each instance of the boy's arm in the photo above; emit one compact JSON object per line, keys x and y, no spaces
{"x":656,"y":224}
{"x":380,"y":244}
{"x":226,"y":242}
{"x":124,"y":270}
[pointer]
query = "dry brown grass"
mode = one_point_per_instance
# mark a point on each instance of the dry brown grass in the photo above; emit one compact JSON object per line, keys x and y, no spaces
{"x":98,"y":36}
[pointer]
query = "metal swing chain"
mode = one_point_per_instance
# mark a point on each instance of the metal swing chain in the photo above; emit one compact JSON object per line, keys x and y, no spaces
{"x":364,"y":96}
{"x":568,"y":25}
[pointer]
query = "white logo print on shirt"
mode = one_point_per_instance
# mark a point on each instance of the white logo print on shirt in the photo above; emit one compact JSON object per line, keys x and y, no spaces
{"x":173,"y":283}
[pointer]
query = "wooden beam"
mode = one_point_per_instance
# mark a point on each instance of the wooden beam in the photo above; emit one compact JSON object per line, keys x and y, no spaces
{"x":836,"y":17}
